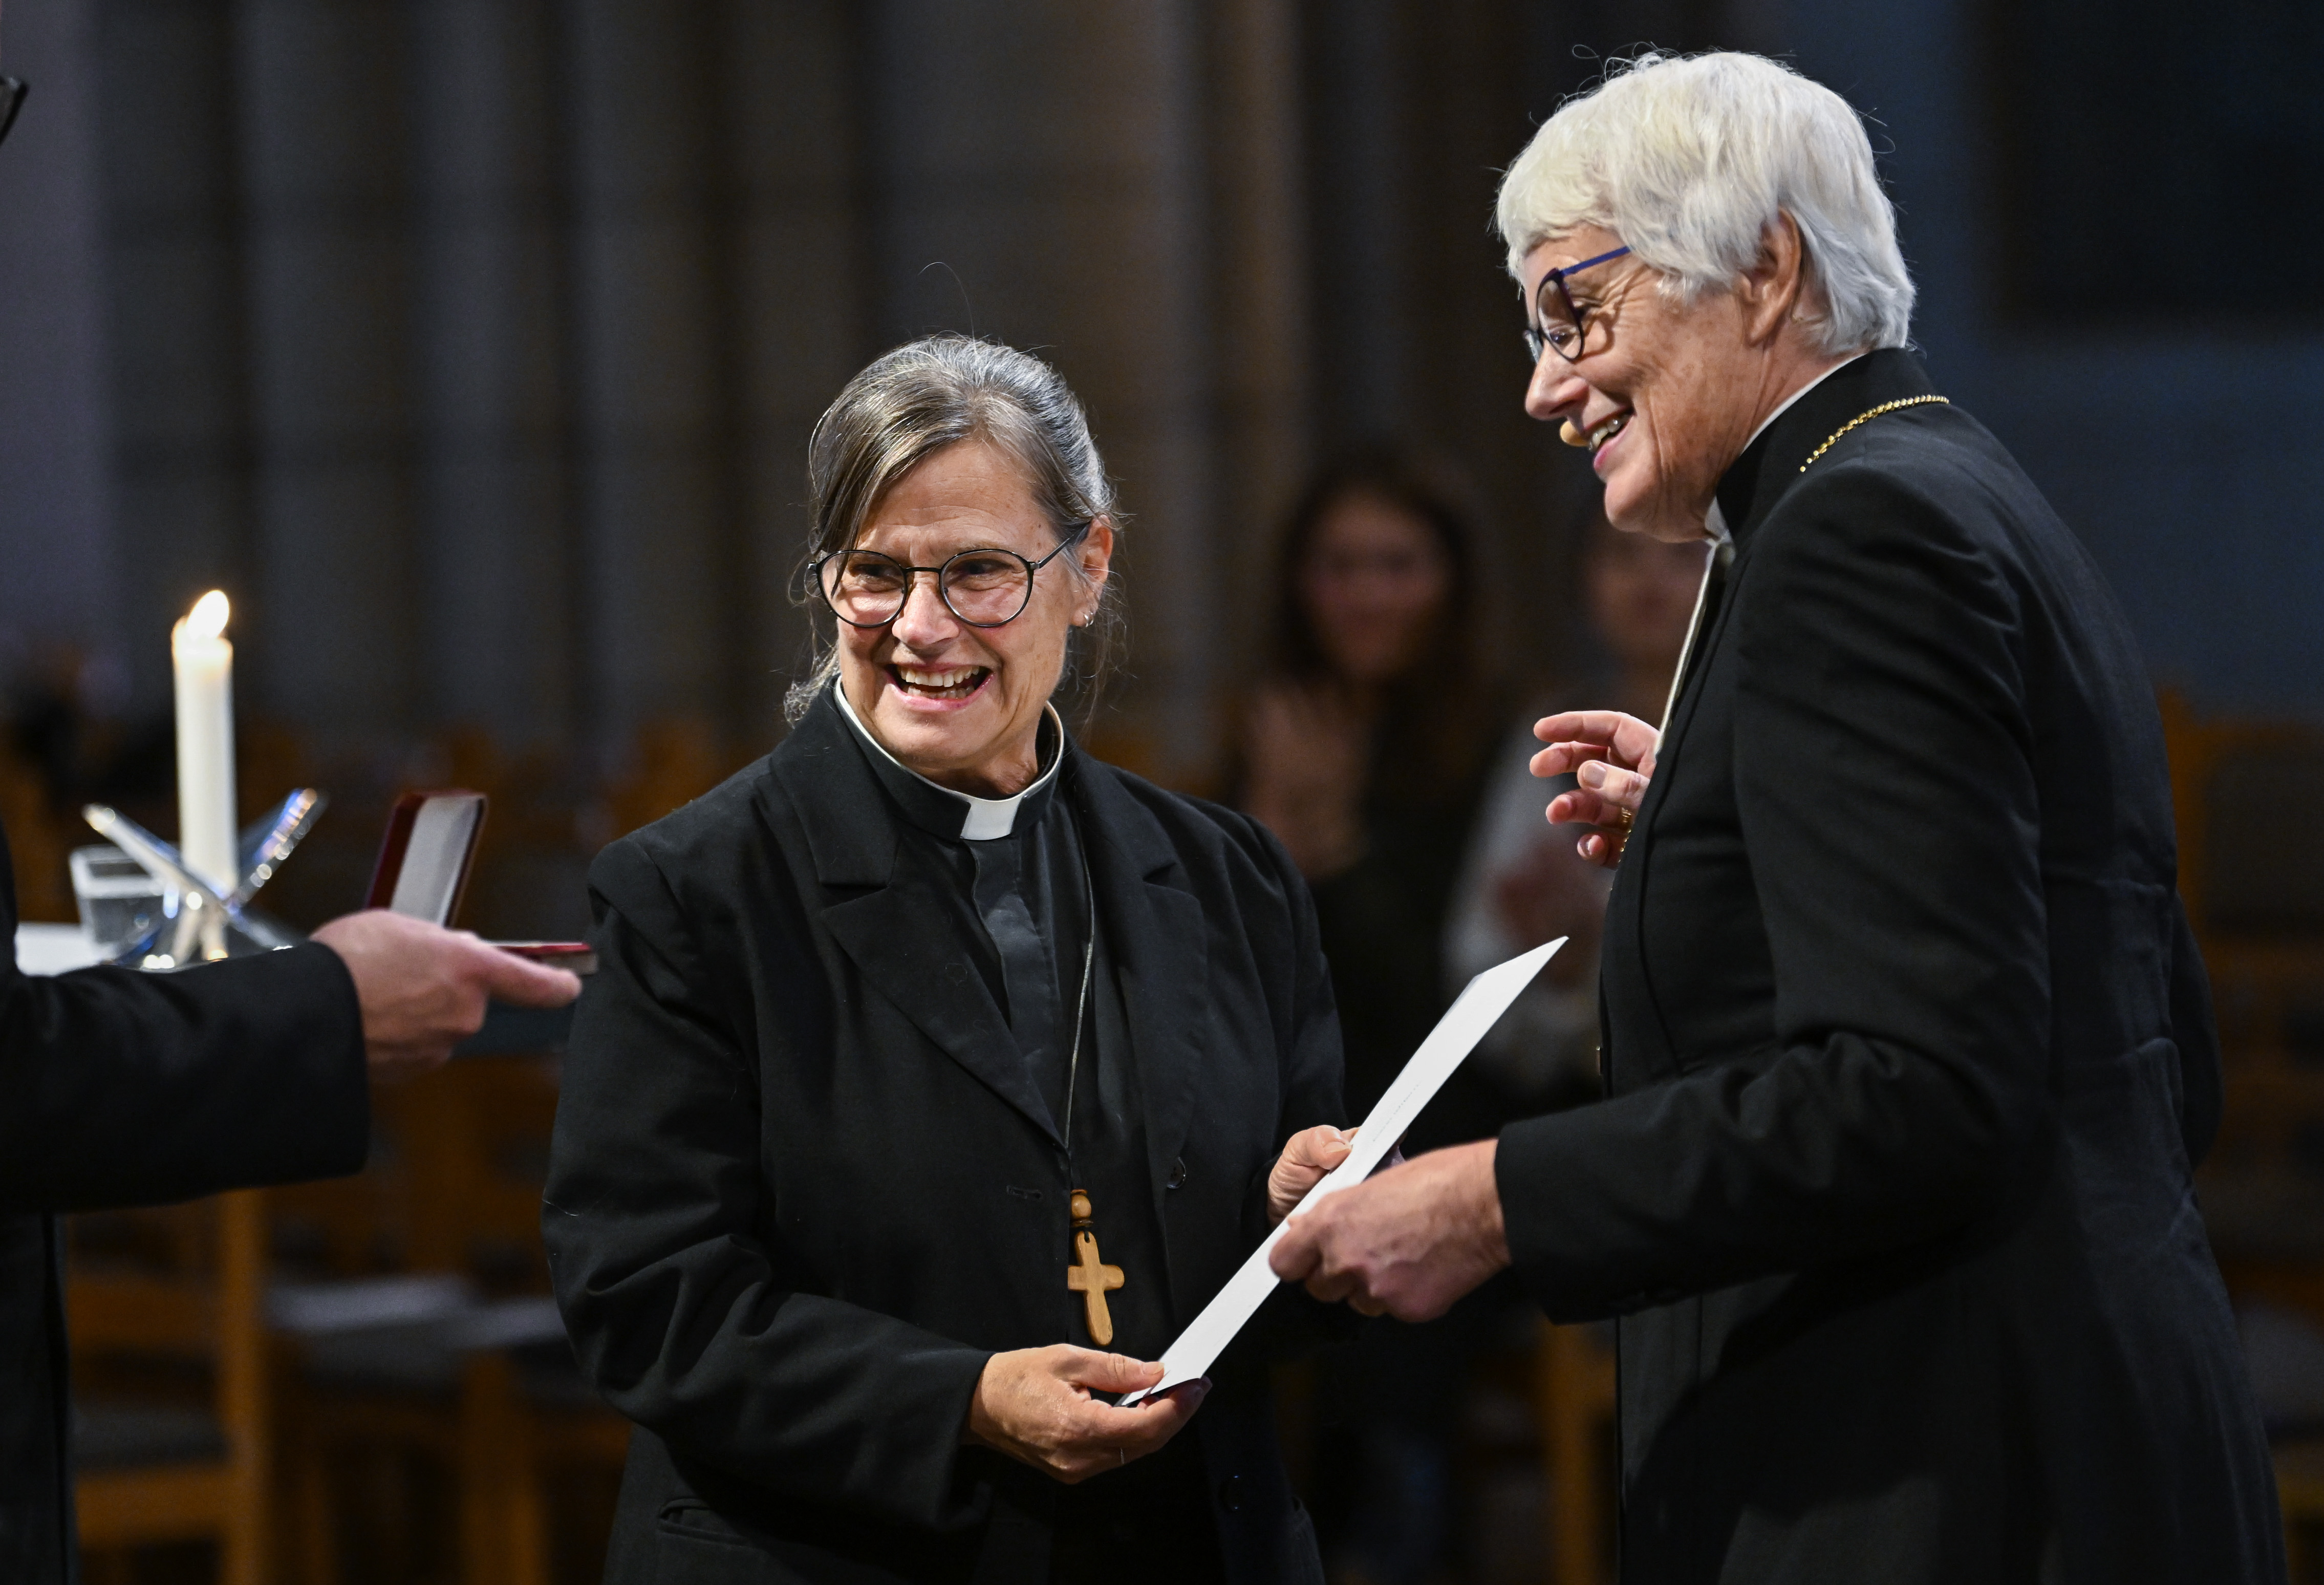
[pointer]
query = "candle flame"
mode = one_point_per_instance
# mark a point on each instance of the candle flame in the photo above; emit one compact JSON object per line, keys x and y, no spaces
{"x":207,"y":619}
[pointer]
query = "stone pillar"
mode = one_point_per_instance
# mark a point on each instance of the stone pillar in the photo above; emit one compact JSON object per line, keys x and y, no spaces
{"x":331,"y":638}
{"x":1358,"y":126}
{"x":55,"y":439}
{"x":1048,"y":159}
{"x":801,"y":305}
{"x":495,"y":508}
{"x":1414,"y":110}
{"x":1467,"y":80}
{"x":175,"y":318}
{"x":659,"y":607}
{"x":1261,"y":268}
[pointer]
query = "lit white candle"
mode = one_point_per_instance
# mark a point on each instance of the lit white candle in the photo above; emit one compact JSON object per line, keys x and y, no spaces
{"x":204,"y":664}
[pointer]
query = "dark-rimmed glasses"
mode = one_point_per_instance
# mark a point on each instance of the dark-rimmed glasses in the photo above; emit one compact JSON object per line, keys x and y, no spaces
{"x":984,"y":587}
{"x":13,"y":90}
{"x":1557,"y":324}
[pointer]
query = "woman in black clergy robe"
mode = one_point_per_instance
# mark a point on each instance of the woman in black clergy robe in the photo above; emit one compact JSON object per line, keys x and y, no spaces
{"x":938,"y":1074}
{"x":1909,"y":1052}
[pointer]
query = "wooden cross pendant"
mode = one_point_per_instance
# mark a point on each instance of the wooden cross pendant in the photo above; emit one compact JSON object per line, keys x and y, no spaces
{"x":1089,"y":1276}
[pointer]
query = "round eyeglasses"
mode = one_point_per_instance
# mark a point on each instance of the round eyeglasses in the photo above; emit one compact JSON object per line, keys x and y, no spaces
{"x":983,"y":588}
{"x":1558,"y":326}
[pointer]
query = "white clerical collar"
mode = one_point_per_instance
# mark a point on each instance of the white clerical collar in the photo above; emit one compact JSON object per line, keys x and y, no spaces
{"x":981,"y":819}
{"x":1714,"y":525}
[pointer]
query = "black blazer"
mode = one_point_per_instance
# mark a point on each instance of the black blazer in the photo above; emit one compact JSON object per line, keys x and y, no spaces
{"x":801,"y":1189}
{"x":1909,"y":1052}
{"x":119,"y":1088}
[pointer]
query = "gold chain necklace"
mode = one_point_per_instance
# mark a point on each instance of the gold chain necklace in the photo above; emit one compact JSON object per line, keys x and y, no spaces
{"x":1886,"y":407}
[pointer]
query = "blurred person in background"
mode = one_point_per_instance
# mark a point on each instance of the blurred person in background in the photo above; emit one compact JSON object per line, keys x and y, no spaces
{"x":1522,"y":883}
{"x":916,"y":1030}
{"x":1365,"y":750}
{"x":122,"y":1088}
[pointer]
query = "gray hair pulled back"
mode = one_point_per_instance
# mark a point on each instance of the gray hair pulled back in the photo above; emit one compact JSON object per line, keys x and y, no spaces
{"x":912,"y":402}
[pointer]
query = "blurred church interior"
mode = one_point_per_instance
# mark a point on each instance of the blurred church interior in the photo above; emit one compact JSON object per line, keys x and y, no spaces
{"x":473,"y":344}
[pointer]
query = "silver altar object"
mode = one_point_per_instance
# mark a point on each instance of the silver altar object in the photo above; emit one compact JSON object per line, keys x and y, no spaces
{"x":190,"y":904}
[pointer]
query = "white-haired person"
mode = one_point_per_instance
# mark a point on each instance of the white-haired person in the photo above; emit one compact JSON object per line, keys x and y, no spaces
{"x":1909,"y":1051}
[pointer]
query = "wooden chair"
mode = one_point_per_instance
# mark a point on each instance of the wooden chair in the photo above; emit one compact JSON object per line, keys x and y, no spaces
{"x":1575,"y":1383}
{"x":2252,"y":872}
{"x":2251,"y":869}
{"x":492,"y":1397}
{"x":169,"y":1453}
{"x":2299,"y":1490}
{"x":478,"y":1163}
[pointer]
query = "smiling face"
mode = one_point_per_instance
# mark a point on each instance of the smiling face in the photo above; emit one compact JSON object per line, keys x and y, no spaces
{"x":961,"y":704}
{"x":1666,"y":394}
{"x":1374,"y":581}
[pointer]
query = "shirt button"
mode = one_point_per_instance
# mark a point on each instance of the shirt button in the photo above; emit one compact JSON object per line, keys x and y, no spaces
{"x":1177,"y":1173}
{"x":1230,"y":1493}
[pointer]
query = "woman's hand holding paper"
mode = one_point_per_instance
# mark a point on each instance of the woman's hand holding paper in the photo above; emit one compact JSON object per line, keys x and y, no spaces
{"x":1034,"y":1405}
{"x":1407,"y":1241}
{"x":1308,"y":1158}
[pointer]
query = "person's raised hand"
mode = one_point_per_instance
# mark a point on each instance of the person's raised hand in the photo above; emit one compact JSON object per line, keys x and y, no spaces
{"x":1034,"y":1405}
{"x":1308,"y":1158}
{"x":423,"y":989}
{"x":1407,"y":1241}
{"x":1612,"y":756}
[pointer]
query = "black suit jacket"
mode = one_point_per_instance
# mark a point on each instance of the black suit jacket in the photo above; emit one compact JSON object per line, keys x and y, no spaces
{"x":119,"y":1088}
{"x":801,"y":1187}
{"x":1909,"y":1052}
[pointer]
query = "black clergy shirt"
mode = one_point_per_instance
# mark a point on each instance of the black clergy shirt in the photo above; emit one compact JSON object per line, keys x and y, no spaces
{"x":1023,"y":887}
{"x":1024,"y":897}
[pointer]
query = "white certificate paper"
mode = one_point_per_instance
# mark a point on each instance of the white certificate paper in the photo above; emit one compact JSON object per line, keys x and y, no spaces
{"x":1478,"y":1008}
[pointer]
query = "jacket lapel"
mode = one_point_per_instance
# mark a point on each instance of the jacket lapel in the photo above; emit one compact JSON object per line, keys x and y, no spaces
{"x":1750,"y":488}
{"x":904,"y":933}
{"x":1770,"y":465}
{"x":898,"y":924}
{"x":1711,"y":604}
{"x":1748,"y":491}
{"x":1158,"y":939}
